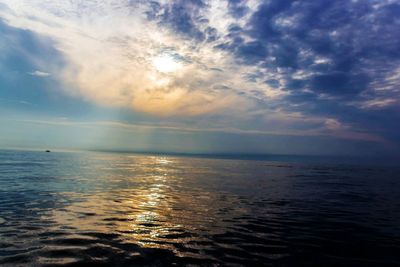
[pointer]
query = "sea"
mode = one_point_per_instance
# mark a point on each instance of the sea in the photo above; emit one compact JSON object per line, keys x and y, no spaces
{"x":122,"y":209}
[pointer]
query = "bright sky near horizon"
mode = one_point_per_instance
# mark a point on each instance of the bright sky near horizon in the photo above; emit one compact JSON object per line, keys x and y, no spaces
{"x":278,"y":76}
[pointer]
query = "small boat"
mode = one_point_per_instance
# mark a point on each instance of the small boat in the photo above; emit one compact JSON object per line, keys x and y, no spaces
{"x":48,"y":151}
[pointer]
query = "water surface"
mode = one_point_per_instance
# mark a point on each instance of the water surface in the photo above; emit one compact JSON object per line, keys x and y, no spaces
{"x":121,"y":210}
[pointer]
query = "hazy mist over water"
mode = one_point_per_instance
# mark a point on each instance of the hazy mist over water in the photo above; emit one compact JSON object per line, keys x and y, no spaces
{"x":116,"y":209}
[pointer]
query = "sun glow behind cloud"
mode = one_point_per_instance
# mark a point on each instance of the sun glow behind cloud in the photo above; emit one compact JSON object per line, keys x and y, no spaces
{"x":116,"y":57}
{"x":263,"y":66}
{"x":166,"y":63}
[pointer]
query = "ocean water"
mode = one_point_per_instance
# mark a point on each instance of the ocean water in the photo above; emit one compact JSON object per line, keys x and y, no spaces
{"x":109,"y":209}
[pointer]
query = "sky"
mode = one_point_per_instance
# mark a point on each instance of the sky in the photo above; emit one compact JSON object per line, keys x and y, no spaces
{"x":310,"y":77}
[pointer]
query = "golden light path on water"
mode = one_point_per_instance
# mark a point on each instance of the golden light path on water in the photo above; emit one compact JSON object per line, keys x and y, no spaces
{"x":116,"y":209}
{"x":149,"y":210}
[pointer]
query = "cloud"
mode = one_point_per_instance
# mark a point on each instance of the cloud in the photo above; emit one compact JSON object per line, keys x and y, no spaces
{"x":333,"y":129}
{"x":379,"y":103}
{"x":335,"y":63}
{"x":39,"y":73}
{"x":109,"y":51}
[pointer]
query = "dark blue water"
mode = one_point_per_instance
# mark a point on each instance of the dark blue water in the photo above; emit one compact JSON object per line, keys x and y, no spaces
{"x":80,"y":209}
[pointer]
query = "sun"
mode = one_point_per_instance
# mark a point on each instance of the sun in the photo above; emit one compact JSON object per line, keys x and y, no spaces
{"x":166,"y":63}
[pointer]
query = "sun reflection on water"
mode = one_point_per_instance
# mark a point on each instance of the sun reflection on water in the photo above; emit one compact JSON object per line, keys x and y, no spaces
{"x":140,"y":214}
{"x":145,"y":205}
{"x":114,"y":209}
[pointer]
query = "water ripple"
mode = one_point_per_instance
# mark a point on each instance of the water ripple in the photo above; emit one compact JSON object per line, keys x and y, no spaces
{"x":80,"y":209}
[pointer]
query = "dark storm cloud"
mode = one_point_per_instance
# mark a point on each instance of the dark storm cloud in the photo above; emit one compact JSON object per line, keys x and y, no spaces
{"x":182,"y":16}
{"x":237,"y":8}
{"x":342,"y":50}
{"x":251,"y":52}
{"x":342,"y":45}
{"x":261,"y":25}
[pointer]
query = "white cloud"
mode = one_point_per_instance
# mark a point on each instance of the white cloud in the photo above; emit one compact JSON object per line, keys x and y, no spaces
{"x":333,"y":124}
{"x":39,"y":73}
{"x":378,"y":103}
{"x":110,"y":47}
